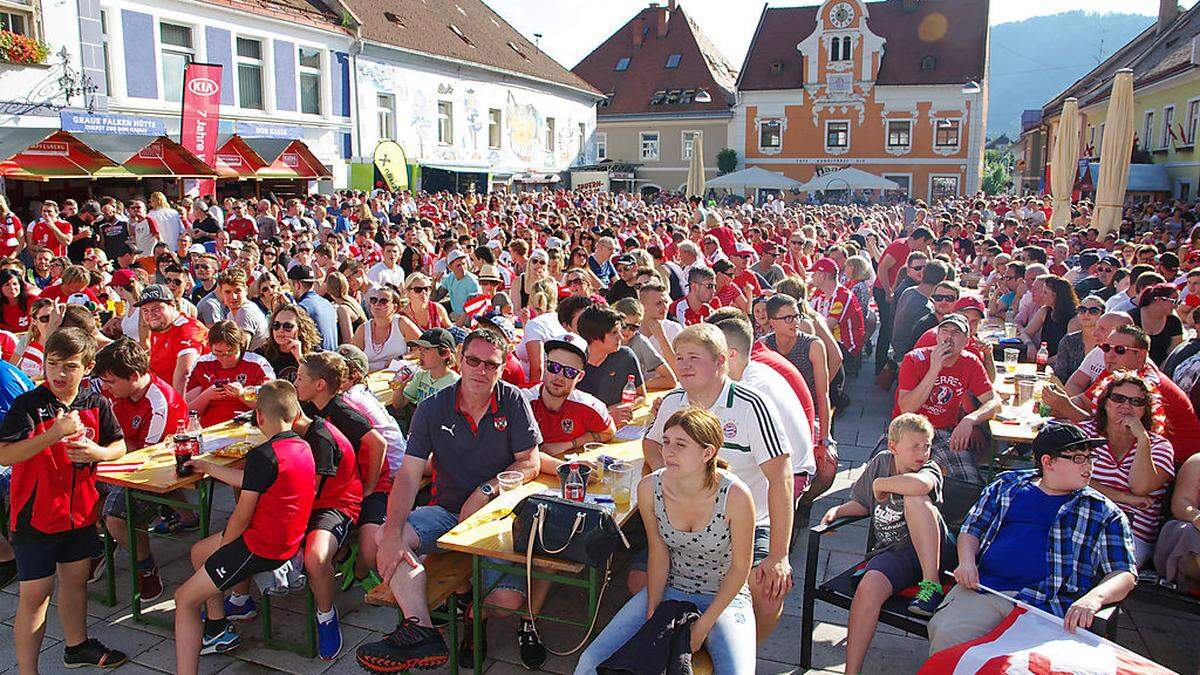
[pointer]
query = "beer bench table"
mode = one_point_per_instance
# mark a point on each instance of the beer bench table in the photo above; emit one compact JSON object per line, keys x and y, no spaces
{"x":445,"y":573}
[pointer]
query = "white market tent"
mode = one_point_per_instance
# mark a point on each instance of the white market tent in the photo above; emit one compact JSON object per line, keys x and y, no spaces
{"x":752,"y":178}
{"x":848,"y":178}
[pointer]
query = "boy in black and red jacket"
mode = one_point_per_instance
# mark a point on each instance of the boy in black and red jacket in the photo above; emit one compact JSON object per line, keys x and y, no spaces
{"x":52,"y":437}
{"x":278,"y":486}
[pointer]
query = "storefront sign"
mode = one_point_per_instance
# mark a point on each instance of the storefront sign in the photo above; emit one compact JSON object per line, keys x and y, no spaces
{"x":232,"y":161}
{"x":201,"y":116}
{"x":261,"y":130}
{"x":152,"y":151}
{"x":620,"y":175}
{"x":120,"y":125}
{"x":48,"y":149}
{"x":291,"y":159}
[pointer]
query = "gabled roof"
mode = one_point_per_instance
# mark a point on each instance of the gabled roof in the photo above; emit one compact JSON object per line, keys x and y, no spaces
{"x":960,"y":54}
{"x":309,"y":12}
{"x":1153,"y":56}
{"x":463,"y":30}
{"x":701,"y":67}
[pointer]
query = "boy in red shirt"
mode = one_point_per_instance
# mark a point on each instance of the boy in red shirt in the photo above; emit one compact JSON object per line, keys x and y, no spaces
{"x":52,"y":437}
{"x":50,"y":232}
{"x":278,"y":486}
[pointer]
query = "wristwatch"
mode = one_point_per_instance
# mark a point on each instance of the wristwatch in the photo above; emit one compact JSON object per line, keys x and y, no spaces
{"x":487,"y":490}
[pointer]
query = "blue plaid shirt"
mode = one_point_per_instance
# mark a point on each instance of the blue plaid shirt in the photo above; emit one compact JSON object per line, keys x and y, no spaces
{"x":1090,"y":539}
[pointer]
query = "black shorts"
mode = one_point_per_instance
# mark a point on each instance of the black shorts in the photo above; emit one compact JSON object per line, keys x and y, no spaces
{"x":38,"y":558}
{"x":332,"y":521}
{"x":233,"y":563}
{"x":374,"y":509}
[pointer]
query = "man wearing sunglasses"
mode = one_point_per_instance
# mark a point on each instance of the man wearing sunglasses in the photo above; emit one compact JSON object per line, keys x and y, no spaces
{"x":893,"y":258}
{"x":1086,"y":556}
{"x":915,"y":307}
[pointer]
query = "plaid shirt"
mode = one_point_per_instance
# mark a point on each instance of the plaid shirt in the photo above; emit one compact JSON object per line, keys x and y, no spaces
{"x":1090,"y":539}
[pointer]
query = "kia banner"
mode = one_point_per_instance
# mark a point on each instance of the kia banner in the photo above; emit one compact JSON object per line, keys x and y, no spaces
{"x":201,"y":116}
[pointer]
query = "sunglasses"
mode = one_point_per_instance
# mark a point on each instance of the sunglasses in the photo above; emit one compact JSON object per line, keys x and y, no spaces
{"x":942,"y":297}
{"x":489,"y":366}
{"x":635,"y":327}
{"x":1091,"y":310}
{"x":175,"y":282}
{"x":556,"y":368}
{"x":1137,"y":401}
{"x":283,"y":325}
{"x":916,"y":268}
{"x":379,"y":301}
{"x":1121,"y":350}
{"x":419,"y":289}
{"x":45,"y":318}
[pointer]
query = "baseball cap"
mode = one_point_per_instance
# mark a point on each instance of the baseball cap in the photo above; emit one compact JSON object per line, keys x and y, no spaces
{"x":121,"y":279}
{"x":624,"y":260}
{"x":723,"y":266}
{"x":970,"y":302}
{"x":434,"y":337}
{"x":1058,"y":437}
{"x":569,"y":341}
{"x":958,"y":321}
{"x":155,"y":293}
{"x":825,"y":265}
{"x":501,"y":323}
{"x":356,"y":359}
{"x":301,"y":273}
{"x":199,"y":248}
{"x":454,"y":257}
{"x":1112,"y":261}
{"x":743,"y":250}
{"x":539,"y":254}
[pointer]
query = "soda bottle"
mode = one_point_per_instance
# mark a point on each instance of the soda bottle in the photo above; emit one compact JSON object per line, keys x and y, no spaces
{"x":629,"y":393}
{"x":1043,"y":355}
{"x":573,"y":487}
{"x":196,"y":431}
{"x":183,"y":449}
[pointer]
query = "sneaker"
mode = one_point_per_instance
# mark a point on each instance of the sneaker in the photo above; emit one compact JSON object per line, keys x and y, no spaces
{"x":410,"y":646}
{"x":466,"y":649}
{"x":150,"y":584}
{"x":443,"y":611}
{"x":96,"y":573}
{"x":533,"y":652}
{"x":329,"y":638}
{"x":92,"y":653}
{"x":225,"y":641}
{"x":8,"y":572}
{"x":235,"y":612}
{"x":929,"y":596}
{"x":172,"y":523}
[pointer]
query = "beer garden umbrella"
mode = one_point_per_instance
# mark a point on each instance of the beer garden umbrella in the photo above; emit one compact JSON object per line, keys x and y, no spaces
{"x":695,"y":178}
{"x":1117,"y":145}
{"x":1063,"y":162}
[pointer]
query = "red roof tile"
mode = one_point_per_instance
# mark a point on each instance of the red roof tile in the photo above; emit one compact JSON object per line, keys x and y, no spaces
{"x":701,"y":66}
{"x":961,"y":54}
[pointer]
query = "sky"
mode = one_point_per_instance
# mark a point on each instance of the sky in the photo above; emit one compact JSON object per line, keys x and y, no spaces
{"x":572,"y":28}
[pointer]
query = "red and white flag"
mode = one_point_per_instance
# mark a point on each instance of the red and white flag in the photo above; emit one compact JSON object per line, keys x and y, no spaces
{"x":1032,"y":642}
{"x":201,"y":116}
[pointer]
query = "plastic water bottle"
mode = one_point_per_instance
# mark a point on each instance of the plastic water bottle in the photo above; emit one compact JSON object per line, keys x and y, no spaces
{"x":1043,"y":355}
{"x":629,"y":393}
{"x":574,"y":488}
{"x":196,"y":431}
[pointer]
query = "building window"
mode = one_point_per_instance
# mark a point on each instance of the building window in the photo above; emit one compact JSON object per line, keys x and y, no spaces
{"x":385,"y":105}
{"x":689,"y":142}
{"x":904,"y":180}
{"x":847,"y":53}
{"x":899,"y":133}
{"x":770,"y":135}
{"x":600,"y":144}
{"x":445,"y":122}
{"x":104,"y":49}
{"x":310,"y":81}
{"x":1147,"y":140}
{"x":549,"y":134}
{"x":16,"y":16}
{"x":1168,"y":121}
{"x":582,"y":138}
{"x":673,"y":60}
{"x":840,"y":49}
{"x":943,"y":187}
{"x":1092,"y":138}
{"x":648,"y":141}
{"x":250,"y":73}
{"x":1193,"y":117}
{"x":622,"y":64}
{"x":946,"y":134}
{"x":495,"y":121}
{"x":837,"y":135}
{"x":177,"y":52}
{"x":1100,"y":144}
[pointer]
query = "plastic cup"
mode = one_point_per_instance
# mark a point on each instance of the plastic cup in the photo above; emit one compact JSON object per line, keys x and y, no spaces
{"x":622,"y":483}
{"x":510,"y":480}
{"x":1010,"y":329}
{"x":1024,"y":392}
{"x":1011,"y":356}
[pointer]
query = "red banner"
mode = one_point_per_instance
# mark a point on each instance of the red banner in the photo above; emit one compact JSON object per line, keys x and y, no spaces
{"x":201,"y":116}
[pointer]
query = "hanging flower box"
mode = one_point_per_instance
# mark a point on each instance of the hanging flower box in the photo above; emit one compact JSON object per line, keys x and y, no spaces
{"x":16,"y":48}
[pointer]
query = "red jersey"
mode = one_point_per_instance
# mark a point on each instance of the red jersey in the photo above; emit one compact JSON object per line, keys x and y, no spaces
{"x":945,"y":401}
{"x":338,"y":485}
{"x":10,"y":229}
{"x":686,"y":316}
{"x":581,"y":413}
{"x":898,"y":251}
{"x":8,"y":345}
{"x":842,"y":308}
{"x":514,"y":372}
{"x":185,"y":336}
{"x":974,"y":344}
{"x":251,"y":370}
{"x":282,"y":470}
{"x":241,"y":229}
{"x":750,"y":279}
{"x":49,"y":495}
{"x":41,"y":234}
{"x":151,"y":418}
{"x":13,"y":318}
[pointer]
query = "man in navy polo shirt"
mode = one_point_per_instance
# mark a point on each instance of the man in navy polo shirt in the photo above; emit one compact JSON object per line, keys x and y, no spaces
{"x":473,"y":430}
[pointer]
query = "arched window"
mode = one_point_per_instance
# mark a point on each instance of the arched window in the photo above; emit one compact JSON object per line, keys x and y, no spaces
{"x":846,"y":49}
{"x":836,"y":47}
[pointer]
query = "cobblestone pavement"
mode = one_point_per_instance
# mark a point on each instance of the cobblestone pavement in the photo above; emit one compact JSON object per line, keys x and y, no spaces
{"x":1162,"y":634}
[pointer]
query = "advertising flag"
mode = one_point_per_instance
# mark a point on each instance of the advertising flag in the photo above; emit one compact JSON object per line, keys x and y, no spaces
{"x":201,"y":116}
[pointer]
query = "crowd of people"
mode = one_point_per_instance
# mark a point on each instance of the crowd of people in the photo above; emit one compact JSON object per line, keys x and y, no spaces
{"x":518,"y":328}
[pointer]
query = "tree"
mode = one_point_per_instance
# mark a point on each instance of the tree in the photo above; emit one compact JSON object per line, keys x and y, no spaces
{"x":727,"y":160}
{"x":996,"y":172}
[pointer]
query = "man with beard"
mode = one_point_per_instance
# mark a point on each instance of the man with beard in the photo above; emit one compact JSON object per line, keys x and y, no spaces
{"x":175,"y":341}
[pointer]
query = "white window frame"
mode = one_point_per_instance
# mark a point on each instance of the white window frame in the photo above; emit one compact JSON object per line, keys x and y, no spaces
{"x":106,"y":55}
{"x":1179,"y":192}
{"x":319,"y":71}
{"x":600,"y":145}
{"x":1167,"y":120}
{"x":686,"y":144}
{"x":837,"y":149}
{"x":1147,"y":130}
{"x":770,"y":148}
{"x":385,"y":114}
{"x":445,"y":123}
{"x":28,"y":13}
{"x":582,"y":146}
{"x":887,"y":140}
{"x":260,"y":62}
{"x":1100,"y":143}
{"x":1193,"y":121}
{"x":907,"y":176}
{"x":955,"y":124}
{"x":498,"y":123}
{"x":957,"y":181}
{"x":551,"y":142}
{"x":189,"y":52}
{"x":649,"y":150}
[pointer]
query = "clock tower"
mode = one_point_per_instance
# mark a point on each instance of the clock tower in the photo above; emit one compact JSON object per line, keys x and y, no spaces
{"x":841,"y":58}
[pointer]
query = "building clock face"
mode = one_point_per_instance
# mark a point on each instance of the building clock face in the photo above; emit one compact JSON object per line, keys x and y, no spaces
{"x":841,"y":15}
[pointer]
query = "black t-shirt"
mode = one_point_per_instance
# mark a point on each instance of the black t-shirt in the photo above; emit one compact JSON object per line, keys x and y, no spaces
{"x":347,"y":420}
{"x":113,"y":232}
{"x":607,"y":380}
{"x":208,"y":225}
{"x":620,"y":290}
{"x":1160,"y":343}
{"x":261,"y":470}
{"x":284,"y":365}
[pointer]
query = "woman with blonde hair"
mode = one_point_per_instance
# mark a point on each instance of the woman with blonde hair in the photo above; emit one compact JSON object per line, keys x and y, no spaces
{"x":385,"y":336}
{"x":419,"y":307}
{"x":170,"y":225}
{"x":29,"y":354}
{"x":536,"y":269}
{"x":861,"y":276}
{"x":350,"y":314}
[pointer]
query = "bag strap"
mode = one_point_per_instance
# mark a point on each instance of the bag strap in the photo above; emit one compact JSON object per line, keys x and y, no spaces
{"x":536,"y":525}
{"x":576,"y":528}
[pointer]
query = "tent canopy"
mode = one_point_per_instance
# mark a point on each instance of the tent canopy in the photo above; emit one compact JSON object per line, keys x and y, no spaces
{"x":47,"y":154}
{"x":236,"y":158}
{"x":753,"y":177}
{"x":13,"y":141}
{"x":161,"y":157}
{"x":295,"y":160}
{"x":849,"y":178}
{"x":1142,"y":177}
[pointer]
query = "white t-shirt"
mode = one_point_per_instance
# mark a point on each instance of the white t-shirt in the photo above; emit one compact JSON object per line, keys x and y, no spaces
{"x":671,"y":329}
{"x":753,"y":435}
{"x":1119,"y":302}
{"x":361,"y":399}
{"x":380,"y":274}
{"x":796,"y":424}
{"x":540,"y":328}
{"x":1092,"y":364}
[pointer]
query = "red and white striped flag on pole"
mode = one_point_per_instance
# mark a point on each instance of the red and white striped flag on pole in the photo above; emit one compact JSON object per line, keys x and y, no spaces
{"x":1030,"y":641}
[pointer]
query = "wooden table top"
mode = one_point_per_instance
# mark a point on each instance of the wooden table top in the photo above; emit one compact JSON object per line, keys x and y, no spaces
{"x":152,"y":469}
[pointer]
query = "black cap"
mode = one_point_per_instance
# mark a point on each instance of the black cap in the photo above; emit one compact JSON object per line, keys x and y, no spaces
{"x":434,"y":337}
{"x":301,"y":273}
{"x":155,"y":293}
{"x":1112,"y":261}
{"x":1058,"y":437}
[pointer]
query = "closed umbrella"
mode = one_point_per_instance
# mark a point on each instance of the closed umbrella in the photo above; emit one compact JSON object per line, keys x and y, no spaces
{"x":1114,"y":154}
{"x":695,"y":179}
{"x":1062,"y":167}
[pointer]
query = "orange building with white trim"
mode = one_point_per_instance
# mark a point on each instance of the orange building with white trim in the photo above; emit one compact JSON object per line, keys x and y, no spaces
{"x":897,"y":88}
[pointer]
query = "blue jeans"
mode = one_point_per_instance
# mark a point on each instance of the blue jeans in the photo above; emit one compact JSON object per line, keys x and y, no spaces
{"x":731,"y":643}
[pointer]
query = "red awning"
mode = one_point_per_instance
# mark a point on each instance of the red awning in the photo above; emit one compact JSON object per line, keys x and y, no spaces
{"x":236,"y":159}
{"x":46,"y":154}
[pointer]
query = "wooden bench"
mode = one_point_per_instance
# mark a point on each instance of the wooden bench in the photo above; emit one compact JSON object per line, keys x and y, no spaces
{"x":445,"y":573}
{"x":702,"y":663}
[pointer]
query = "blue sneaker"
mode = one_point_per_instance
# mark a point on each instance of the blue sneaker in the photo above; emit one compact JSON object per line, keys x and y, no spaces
{"x":227,"y":640}
{"x":929,"y":596}
{"x":329,"y":638}
{"x":235,"y":612}
{"x":172,"y":523}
